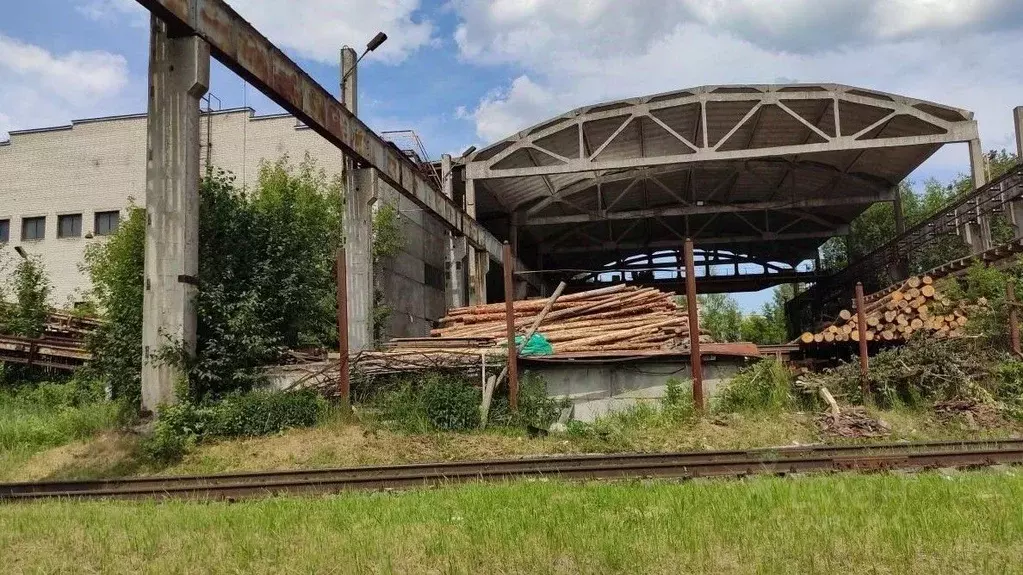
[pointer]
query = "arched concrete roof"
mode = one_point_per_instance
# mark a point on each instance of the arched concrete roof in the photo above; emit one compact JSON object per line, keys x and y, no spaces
{"x":767,"y":170}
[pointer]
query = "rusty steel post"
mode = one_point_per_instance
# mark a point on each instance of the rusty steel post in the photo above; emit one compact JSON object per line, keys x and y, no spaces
{"x":509,"y":314}
{"x":344,"y":383}
{"x":861,"y":327}
{"x":1010,"y":300}
{"x":695,"y":361}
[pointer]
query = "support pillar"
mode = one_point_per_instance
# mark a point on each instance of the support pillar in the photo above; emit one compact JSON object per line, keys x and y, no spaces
{"x":978,"y":228}
{"x":692,"y":308}
{"x":478,"y":265}
{"x":1017,"y":117}
{"x":358,"y":224}
{"x":454,"y":288}
{"x":901,"y":271}
{"x":179,"y":72}
{"x":978,"y":167}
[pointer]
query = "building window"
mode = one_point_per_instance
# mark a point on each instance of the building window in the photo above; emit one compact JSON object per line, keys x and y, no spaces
{"x":5,"y":231}
{"x":107,"y":222}
{"x":33,"y":228}
{"x":69,"y":226}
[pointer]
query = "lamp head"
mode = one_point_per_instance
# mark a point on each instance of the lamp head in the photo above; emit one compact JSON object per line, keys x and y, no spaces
{"x":377,"y":40}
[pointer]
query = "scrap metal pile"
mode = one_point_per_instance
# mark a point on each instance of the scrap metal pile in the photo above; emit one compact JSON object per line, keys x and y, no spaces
{"x":895,"y":314}
{"x":62,"y":345}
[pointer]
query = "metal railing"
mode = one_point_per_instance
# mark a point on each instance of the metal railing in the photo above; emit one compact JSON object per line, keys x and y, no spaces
{"x":966,"y":226}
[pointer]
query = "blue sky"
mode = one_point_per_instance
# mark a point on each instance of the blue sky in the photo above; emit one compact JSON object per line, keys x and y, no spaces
{"x":463,"y":72}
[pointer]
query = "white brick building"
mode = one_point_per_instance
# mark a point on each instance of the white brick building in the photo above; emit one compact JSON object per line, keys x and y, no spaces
{"x":62,"y":188}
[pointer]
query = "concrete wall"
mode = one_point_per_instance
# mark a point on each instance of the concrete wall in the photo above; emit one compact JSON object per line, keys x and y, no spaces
{"x":412,"y":283}
{"x":100,"y":165}
{"x":597,"y":389}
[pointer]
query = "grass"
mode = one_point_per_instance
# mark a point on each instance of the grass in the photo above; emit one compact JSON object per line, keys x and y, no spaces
{"x":29,"y":427}
{"x":959,"y":523}
{"x":340,"y":442}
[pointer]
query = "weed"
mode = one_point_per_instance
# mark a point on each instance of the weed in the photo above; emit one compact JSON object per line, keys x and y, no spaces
{"x":763,"y":386}
{"x":678,"y":404}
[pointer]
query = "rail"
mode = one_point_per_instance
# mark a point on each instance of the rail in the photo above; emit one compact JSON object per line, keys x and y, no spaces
{"x":922,"y":455}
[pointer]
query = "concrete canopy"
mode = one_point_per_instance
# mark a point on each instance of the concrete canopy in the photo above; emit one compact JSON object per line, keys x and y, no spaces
{"x":767,"y":171}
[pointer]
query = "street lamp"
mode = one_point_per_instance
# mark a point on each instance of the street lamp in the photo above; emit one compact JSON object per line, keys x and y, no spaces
{"x":373,"y":44}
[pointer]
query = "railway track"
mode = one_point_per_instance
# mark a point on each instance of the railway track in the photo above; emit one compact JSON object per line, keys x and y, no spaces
{"x":778,"y":461}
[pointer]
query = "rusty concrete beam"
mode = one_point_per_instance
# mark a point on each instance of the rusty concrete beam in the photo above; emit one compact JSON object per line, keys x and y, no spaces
{"x":240,"y":47}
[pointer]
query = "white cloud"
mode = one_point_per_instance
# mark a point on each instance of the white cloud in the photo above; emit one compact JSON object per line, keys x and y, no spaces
{"x":951,"y":51}
{"x":40,"y":88}
{"x":114,"y":10}
{"x":317,"y":29}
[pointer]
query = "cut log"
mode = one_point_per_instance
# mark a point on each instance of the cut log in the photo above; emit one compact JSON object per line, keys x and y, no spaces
{"x":807,"y":337}
{"x":927,"y":291}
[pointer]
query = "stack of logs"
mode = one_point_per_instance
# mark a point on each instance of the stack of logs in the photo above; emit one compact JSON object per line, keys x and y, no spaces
{"x":914,"y":307}
{"x":617,"y":318}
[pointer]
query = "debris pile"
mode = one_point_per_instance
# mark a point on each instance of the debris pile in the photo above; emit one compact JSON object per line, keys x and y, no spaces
{"x":895,"y":315}
{"x":852,"y":422}
{"x":975,"y":414}
{"x":615,"y":319}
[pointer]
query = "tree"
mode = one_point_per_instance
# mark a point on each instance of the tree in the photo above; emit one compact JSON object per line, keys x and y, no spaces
{"x":720,"y":315}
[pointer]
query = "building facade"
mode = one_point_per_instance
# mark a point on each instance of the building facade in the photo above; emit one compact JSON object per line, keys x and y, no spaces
{"x":63,"y":188}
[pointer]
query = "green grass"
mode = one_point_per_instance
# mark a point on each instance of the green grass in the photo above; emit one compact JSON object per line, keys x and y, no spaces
{"x":29,"y":426}
{"x":930,"y":523}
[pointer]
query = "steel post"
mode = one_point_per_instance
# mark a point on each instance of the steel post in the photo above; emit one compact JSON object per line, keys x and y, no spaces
{"x":695,"y":361}
{"x":509,"y":313}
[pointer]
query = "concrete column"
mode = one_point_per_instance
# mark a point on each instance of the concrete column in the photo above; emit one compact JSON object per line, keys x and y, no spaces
{"x":179,"y":75}
{"x":349,"y":85}
{"x":362,"y":195}
{"x":901,"y":270}
{"x":1017,"y":116}
{"x":455,"y":295}
{"x":978,"y":167}
{"x":477,"y":268}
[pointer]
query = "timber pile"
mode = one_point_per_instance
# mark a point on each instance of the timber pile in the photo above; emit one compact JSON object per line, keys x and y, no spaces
{"x":915,"y":307}
{"x":62,"y":346}
{"x":615,"y":319}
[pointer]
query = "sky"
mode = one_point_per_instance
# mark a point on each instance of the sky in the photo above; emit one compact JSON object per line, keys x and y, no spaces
{"x":471,"y":72}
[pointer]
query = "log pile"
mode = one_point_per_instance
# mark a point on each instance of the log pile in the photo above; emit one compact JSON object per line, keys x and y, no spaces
{"x":893,"y":316}
{"x":615,"y":319}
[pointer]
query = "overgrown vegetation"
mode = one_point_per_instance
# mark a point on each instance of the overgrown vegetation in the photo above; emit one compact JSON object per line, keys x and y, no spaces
{"x":721,"y":316}
{"x":30,"y":288}
{"x":450,"y":401}
{"x":266,"y":260}
{"x":34,"y":417}
{"x":182,"y":426}
{"x":765,"y":386}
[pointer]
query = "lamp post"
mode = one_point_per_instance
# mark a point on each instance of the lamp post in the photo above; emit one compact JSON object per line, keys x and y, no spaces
{"x":347,"y":69}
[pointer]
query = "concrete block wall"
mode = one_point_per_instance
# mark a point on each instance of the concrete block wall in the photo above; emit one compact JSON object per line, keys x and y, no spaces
{"x":412,"y":283}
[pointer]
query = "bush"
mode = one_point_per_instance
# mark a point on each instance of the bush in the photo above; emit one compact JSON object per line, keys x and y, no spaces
{"x":249,"y":414}
{"x":763,"y":386}
{"x":1009,"y":377}
{"x":451,"y":404}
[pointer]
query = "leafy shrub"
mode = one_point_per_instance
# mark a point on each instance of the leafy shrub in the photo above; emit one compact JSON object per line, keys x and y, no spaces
{"x":451,"y":404}
{"x":537,"y":409}
{"x":31,"y":291}
{"x":1009,"y":377}
{"x":251,"y":414}
{"x":763,"y":386}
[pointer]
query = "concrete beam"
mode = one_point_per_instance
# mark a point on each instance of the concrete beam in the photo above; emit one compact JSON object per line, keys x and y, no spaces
{"x":710,"y":209}
{"x":455,"y":282}
{"x":179,"y":75}
{"x":240,"y":47}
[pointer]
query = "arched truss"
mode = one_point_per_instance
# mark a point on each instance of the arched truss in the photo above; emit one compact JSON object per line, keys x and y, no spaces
{"x":768,"y":170}
{"x":717,"y":270}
